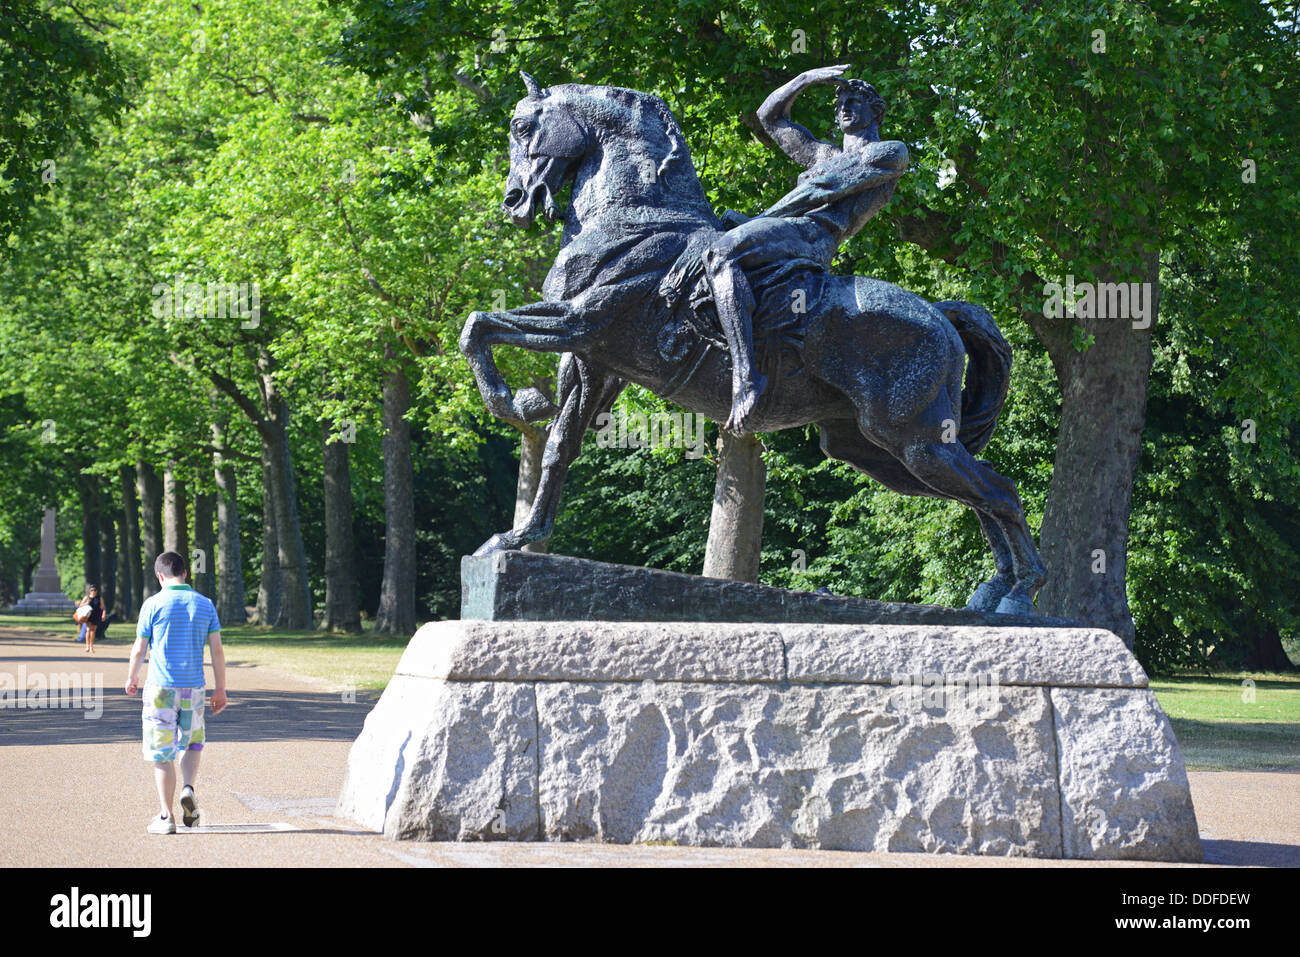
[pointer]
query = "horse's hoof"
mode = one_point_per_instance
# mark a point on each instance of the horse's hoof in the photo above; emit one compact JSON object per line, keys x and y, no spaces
{"x":989,"y":595}
{"x":1011,"y":605}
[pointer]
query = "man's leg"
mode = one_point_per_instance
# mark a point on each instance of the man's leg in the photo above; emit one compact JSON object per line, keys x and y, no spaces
{"x":190,"y":766}
{"x":190,"y":736}
{"x":734,"y":300}
{"x":164,"y":776}
{"x":159,"y":726}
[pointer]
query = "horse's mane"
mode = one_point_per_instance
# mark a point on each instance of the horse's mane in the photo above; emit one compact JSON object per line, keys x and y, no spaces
{"x":643,"y":105}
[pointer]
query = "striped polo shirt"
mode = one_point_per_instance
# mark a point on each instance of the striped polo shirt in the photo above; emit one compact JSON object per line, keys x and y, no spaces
{"x":176,"y":622}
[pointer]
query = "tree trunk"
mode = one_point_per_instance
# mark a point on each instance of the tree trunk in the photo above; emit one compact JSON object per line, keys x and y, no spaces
{"x":151,"y":533}
{"x":9,"y":585}
{"x":230,"y":571}
{"x":107,"y":559}
{"x":131,"y":585}
{"x":532,"y":444}
{"x":396,"y":613}
{"x":1264,"y":651}
{"x":88,"y":487}
{"x":1084,"y":537}
{"x":270,"y":589}
{"x":295,"y":601}
{"x":125,"y":582}
{"x":342,"y":612}
{"x":286,"y":590}
{"x":736,"y":525}
{"x":176,"y":533}
{"x":205,"y":544}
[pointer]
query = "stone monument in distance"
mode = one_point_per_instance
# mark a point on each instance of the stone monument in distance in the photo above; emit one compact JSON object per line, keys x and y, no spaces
{"x":46,"y":596}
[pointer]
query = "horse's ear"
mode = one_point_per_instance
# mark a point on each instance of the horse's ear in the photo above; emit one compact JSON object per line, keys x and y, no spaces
{"x":534,"y":88}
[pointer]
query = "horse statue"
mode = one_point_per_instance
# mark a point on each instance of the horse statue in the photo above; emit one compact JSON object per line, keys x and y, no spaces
{"x":878,"y":369}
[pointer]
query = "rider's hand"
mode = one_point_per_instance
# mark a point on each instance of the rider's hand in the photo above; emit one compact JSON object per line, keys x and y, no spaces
{"x":824,"y":74}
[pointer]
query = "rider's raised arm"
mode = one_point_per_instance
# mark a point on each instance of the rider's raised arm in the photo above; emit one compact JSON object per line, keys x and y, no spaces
{"x":795,"y":140}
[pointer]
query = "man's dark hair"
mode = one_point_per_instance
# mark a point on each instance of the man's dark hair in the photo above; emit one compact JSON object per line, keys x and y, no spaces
{"x":169,"y":565}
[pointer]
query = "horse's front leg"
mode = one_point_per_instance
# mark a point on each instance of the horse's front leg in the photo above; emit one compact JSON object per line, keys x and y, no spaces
{"x":583,"y":393}
{"x":540,"y":326}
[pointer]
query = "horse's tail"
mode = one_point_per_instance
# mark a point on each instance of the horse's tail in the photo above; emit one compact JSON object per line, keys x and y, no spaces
{"x":988,"y":374}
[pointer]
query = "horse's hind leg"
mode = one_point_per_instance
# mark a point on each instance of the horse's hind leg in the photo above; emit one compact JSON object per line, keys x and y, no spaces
{"x":583,"y":394}
{"x":990,"y":593}
{"x":842,"y":440}
{"x":949,"y":469}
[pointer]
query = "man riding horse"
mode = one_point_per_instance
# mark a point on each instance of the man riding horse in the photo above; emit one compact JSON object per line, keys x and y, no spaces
{"x":840,"y":190}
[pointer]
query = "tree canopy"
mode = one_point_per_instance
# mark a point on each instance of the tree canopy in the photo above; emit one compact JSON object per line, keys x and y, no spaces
{"x":338,"y":169}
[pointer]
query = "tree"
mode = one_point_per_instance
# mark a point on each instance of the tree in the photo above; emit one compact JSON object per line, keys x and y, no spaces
{"x":58,"y":81}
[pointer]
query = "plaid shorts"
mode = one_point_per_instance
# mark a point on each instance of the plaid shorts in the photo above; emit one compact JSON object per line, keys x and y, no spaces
{"x":173,"y":722}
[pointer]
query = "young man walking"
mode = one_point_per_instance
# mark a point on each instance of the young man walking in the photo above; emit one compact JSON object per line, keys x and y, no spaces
{"x":176,"y":623}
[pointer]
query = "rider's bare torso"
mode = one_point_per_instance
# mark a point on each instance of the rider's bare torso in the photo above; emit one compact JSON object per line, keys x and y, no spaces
{"x":843,"y":219}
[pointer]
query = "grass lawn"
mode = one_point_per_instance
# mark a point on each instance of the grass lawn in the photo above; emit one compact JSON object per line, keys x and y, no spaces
{"x":337,"y":661}
{"x":63,"y":624}
{"x":1219,"y":726}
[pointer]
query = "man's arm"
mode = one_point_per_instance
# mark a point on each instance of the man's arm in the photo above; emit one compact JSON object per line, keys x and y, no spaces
{"x":133,"y":668}
{"x":795,"y":140}
{"x":218,"y":672}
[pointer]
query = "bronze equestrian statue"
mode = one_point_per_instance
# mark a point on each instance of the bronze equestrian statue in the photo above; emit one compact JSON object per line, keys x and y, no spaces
{"x":740,"y":319}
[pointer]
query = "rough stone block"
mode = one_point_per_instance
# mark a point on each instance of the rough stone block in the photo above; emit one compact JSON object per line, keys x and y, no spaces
{"x":1009,"y":655}
{"x":593,"y":651}
{"x":446,"y":761}
{"x":1124,"y":791}
{"x":834,"y":767}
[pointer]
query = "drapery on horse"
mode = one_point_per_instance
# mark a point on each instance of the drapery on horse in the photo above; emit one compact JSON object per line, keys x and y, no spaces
{"x":877,"y":368}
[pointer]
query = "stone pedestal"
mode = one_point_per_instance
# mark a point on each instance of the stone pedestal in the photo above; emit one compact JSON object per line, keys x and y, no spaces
{"x":46,"y":596}
{"x":1041,"y":742}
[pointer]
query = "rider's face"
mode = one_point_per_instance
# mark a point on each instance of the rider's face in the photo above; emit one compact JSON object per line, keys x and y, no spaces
{"x":852,"y":113}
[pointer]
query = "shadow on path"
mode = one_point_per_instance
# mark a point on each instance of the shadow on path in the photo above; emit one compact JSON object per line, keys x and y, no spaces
{"x":77,"y":712}
{"x":251,"y":716}
{"x":1250,"y":853}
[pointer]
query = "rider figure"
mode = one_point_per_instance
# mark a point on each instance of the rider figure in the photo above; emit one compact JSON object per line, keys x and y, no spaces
{"x":841,"y":189}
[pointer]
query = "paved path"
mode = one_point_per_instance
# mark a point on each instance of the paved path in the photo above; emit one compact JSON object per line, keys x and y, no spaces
{"x":75,"y":791}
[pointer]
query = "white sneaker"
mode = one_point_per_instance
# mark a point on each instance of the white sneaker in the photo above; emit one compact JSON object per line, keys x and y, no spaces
{"x":162,"y":825}
{"x":189,"y":807}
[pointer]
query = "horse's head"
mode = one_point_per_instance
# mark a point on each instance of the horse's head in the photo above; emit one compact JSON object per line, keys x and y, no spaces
{"x":546,"y":143}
